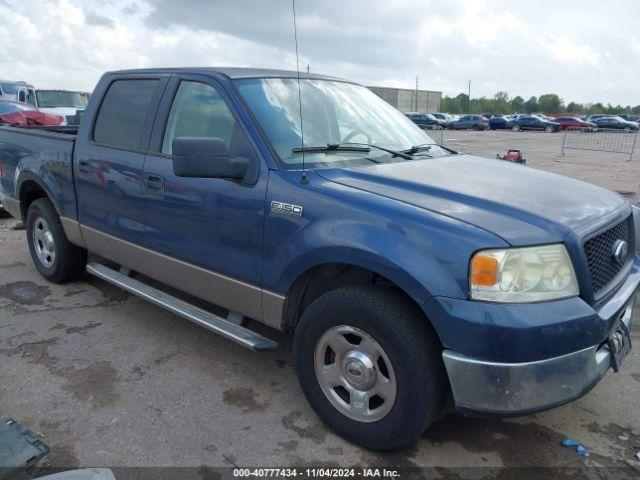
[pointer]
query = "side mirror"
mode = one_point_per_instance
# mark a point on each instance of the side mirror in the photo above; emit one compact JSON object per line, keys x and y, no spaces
{"x":199,"y":157}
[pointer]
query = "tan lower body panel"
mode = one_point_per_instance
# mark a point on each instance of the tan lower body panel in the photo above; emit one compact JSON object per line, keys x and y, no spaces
{"x":72,"y":231}
{"x":12,"y":206}
{"x":218,"y":289}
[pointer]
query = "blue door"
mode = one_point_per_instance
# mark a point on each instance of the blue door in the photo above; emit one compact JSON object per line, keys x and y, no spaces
{"x":208,"y":223}
{"x":110,"y":160}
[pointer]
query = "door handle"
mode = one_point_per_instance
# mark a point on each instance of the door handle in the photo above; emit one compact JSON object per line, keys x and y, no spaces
{"x":84,"y":166}
{"x":154,"y":184}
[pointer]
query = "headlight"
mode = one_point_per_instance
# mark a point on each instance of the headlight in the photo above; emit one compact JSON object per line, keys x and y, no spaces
{"x":520,"y":275}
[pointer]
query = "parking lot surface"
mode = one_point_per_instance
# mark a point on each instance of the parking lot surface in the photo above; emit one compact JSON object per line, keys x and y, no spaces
{"x":110,"y":380}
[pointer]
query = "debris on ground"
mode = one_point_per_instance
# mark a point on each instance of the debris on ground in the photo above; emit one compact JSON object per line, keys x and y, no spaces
{"x":580,"y":449}
{"x":514,"y":156}
{"x":20,"y":448}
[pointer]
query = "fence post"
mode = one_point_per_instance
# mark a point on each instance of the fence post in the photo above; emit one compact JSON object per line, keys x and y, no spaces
{"x":633,"y":145}
{"x":564,"y":141}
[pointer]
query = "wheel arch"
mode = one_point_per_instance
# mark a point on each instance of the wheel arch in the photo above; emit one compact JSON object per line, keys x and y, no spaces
{"x":315,"y":280}
{"x":29,"y":189}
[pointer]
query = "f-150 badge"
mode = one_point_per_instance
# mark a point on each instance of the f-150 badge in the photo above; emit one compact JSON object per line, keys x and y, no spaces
{"x":280,"y":207}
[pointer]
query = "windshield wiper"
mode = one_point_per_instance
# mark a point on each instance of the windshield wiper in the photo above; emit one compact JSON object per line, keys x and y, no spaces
{"x":426,"y":147}
{"x":331,"y":147}
{"x":395,"y":153}
{"x":418,"y":148}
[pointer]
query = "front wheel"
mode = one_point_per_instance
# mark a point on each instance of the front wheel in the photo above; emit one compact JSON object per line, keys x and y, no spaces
{"x":370,"y":365}
{"x":548,"y":129}
{"x":56,"y":259}
{"x":515,"y":128}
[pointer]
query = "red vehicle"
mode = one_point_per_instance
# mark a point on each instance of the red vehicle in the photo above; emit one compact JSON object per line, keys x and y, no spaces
{"x":15,"y":113}
{"x":566,"y":122}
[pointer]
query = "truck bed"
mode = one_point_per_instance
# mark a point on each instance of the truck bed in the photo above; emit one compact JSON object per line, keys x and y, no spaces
{"x":42,"y":156}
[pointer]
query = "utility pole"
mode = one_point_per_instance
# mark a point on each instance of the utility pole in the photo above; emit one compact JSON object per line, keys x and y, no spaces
{"x":469,"y":98}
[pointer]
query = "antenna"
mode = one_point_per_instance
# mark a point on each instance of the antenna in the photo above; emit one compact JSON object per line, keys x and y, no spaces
{"x":303,"y":179}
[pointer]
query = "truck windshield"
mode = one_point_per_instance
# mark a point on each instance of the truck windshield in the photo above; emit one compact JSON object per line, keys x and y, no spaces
{"x":56,"y":99}
{"x":333,"y":113}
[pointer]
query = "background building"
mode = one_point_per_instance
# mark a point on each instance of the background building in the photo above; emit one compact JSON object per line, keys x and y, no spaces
{"x":406,"y":100}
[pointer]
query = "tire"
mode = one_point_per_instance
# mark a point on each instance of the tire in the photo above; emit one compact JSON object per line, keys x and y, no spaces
{"x":515,"y":128}
{"x":627,"y":130}
{"x":475,"y":127}
{"x":56,"y":259}
{"x":408,"y":351}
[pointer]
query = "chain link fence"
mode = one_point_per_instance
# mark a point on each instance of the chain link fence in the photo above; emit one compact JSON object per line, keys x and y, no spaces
{"x":600,"y":140}
{"x":436,"y":135}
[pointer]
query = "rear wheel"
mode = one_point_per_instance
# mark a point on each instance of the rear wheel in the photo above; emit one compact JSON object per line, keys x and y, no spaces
{"x":56,"y":259}
{"x":515,"y":128}
{"x":370,"y":365}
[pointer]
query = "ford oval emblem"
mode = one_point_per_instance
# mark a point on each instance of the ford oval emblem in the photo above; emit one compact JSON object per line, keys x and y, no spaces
{"x":620,"y":251}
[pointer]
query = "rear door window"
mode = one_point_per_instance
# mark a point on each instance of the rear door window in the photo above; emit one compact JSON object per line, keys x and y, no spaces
{"x":123,"y":112}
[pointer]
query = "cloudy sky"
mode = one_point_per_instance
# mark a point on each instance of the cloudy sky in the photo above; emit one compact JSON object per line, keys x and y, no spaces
{"x":584,"y":50}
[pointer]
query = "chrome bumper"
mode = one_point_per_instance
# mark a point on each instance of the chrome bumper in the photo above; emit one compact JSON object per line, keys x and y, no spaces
{"x":511,"y":389}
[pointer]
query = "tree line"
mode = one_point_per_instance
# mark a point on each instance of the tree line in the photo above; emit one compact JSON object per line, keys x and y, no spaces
{"x":549,"y":103}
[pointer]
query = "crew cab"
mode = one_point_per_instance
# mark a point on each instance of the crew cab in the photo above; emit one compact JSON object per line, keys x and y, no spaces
{"x":412,"y":277}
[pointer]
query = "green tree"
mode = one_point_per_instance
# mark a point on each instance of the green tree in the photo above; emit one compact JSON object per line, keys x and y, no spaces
{"x":531,"y":105}
{"x":517,"y":104}
{"x":574,"y":107}
{"x":550,"y":103}
{"x":500,"y":103}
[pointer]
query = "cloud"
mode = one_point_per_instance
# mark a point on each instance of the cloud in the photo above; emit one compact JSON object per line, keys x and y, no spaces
{"x":583,"y":54}
{"x":132,"y":9}
{"x":93,"y":18}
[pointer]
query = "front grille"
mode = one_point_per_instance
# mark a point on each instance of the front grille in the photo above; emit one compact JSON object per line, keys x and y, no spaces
{"x":599,"y":251}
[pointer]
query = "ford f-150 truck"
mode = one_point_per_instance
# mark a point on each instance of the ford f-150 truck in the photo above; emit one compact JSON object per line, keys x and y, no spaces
{"x":413,"y":277}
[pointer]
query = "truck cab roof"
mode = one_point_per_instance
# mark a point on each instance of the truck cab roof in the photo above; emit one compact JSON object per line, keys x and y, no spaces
{"x":232,"y":73}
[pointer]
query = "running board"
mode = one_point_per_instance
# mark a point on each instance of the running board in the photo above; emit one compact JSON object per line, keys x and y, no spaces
{"x":236,"y":333}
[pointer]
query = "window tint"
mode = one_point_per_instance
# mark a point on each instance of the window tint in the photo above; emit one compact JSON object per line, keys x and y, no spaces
{"x":198,"y":111}
{"x":121,"y":117}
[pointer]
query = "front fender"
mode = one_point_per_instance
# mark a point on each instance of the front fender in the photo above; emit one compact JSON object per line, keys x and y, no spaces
{"x":425,"y":253}
{"x":387,"y":253}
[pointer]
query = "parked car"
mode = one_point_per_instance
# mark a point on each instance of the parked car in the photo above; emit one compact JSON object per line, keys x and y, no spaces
{"x":408,"y":274}
{"x":425,"y":120}
{"x":595,"y":116}
{"x":501,"y":122}
{"x":445,"y":117}
{"x":473,"y":122}
{"x":616,"y":123}
{"x":532,"y":122}
{"x":15,"y":113}
{"x":17,"y":91}
{"x":574,"y":122}
{"x":630,"y":117}
{"x":60,"y":102}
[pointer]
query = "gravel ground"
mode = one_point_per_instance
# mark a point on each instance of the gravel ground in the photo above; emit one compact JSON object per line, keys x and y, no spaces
{"x":542,"y":150}
{"x":110,"y":380}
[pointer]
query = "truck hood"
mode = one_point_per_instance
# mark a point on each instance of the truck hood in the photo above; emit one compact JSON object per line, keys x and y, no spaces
{"x":522,"y":205}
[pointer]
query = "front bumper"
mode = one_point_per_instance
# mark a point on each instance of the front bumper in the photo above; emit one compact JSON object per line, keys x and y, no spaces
{"x":489,"y":388}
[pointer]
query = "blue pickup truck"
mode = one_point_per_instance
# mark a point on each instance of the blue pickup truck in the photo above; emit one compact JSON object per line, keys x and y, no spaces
{"x":413,"y":278}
